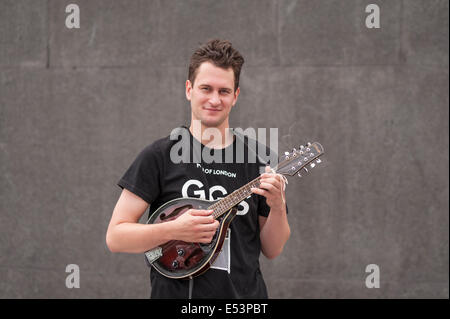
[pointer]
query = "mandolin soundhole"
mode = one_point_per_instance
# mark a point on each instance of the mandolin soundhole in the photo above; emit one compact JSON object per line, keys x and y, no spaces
{"x":175,"y":213}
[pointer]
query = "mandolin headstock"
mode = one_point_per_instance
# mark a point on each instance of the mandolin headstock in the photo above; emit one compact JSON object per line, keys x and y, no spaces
{"x":300,"y":159}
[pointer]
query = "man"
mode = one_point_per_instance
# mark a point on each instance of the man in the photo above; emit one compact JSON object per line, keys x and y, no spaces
{"x":261,"y":224}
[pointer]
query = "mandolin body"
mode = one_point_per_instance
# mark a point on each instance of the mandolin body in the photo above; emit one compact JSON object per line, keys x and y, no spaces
{"x":178,"y":259}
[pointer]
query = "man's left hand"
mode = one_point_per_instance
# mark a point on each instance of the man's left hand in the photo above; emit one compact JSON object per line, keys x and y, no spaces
{"x":272,"y":188}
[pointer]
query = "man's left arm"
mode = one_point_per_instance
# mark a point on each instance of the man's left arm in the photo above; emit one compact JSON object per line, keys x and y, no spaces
{"x":274,"y":229}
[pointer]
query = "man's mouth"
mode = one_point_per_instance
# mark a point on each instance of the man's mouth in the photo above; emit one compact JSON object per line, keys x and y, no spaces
{"x":211,"y":109}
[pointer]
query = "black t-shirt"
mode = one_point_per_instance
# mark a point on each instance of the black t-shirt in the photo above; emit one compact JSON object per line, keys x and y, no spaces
{"x":155,"y":178}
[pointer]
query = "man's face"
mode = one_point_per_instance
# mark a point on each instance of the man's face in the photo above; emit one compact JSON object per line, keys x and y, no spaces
{"x":212,"y":95}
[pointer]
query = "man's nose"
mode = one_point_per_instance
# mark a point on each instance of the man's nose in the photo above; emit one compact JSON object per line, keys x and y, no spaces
{"x":215,"y":99}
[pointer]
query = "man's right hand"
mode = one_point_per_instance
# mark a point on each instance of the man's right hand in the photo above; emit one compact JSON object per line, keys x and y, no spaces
{"x":195,"y":226}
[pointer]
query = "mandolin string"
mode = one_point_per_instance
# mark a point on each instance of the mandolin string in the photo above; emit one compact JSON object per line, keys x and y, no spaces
{"x":229,"y":202}
{"x":233,"y":199}
{"x":226,"y":203}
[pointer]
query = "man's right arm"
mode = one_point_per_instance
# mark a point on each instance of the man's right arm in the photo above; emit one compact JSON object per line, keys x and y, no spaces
{"x":126,"y":234}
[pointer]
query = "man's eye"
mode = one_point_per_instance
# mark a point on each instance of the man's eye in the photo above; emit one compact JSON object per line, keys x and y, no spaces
{"x":205,"y":89}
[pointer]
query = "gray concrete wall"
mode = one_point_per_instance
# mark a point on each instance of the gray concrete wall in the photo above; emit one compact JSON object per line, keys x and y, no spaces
{"x":77,"y":105}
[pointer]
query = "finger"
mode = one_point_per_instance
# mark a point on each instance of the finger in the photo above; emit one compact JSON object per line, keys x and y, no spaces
{"x":213,"y":226}
{"x":267,"y":175}
{"x":275,"y":177}
{"x":204,"y":220}
{"x":206,"y":235}
{"x":269,"y":187}
{"x":208,"y":227}
{"x":264,"y":185}
{"x":201,"y":212}
{"x":205,"y":240}
{"x":259,"y":191}
{"x":274,"y":181}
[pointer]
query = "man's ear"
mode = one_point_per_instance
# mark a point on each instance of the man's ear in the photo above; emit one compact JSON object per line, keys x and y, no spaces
{"x":188,"y":90}
{"x":236,"y":94}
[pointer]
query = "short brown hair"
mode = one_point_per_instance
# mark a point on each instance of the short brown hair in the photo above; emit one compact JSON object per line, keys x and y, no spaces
{"x":221,"y":54}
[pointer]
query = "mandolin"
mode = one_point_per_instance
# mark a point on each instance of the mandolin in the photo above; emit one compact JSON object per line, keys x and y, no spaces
{"x":182,"y":260}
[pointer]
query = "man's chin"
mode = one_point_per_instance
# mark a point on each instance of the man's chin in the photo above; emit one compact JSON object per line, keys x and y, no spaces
{"x":211,"y":122}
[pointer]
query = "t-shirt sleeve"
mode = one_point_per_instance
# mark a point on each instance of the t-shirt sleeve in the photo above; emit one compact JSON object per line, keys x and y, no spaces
{"x":143,"y":176}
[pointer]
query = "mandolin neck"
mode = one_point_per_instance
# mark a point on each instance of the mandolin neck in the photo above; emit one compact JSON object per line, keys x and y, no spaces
{"x":225,"y":204}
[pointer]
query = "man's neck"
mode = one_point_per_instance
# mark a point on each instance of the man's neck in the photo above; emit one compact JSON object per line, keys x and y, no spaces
{"x":222,"y":135}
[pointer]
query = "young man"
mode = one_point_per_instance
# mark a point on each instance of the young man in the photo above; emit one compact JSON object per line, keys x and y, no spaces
{"x":153,"y":179}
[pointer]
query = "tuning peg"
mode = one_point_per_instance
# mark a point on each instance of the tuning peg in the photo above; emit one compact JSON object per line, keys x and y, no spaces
{"x":318,"y":161}
{"x":308,"y":144}
{"x":312,"y":165}
{"x":301,"y":147}
{"x":299,"y":175}
{"x":305,"y":169}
